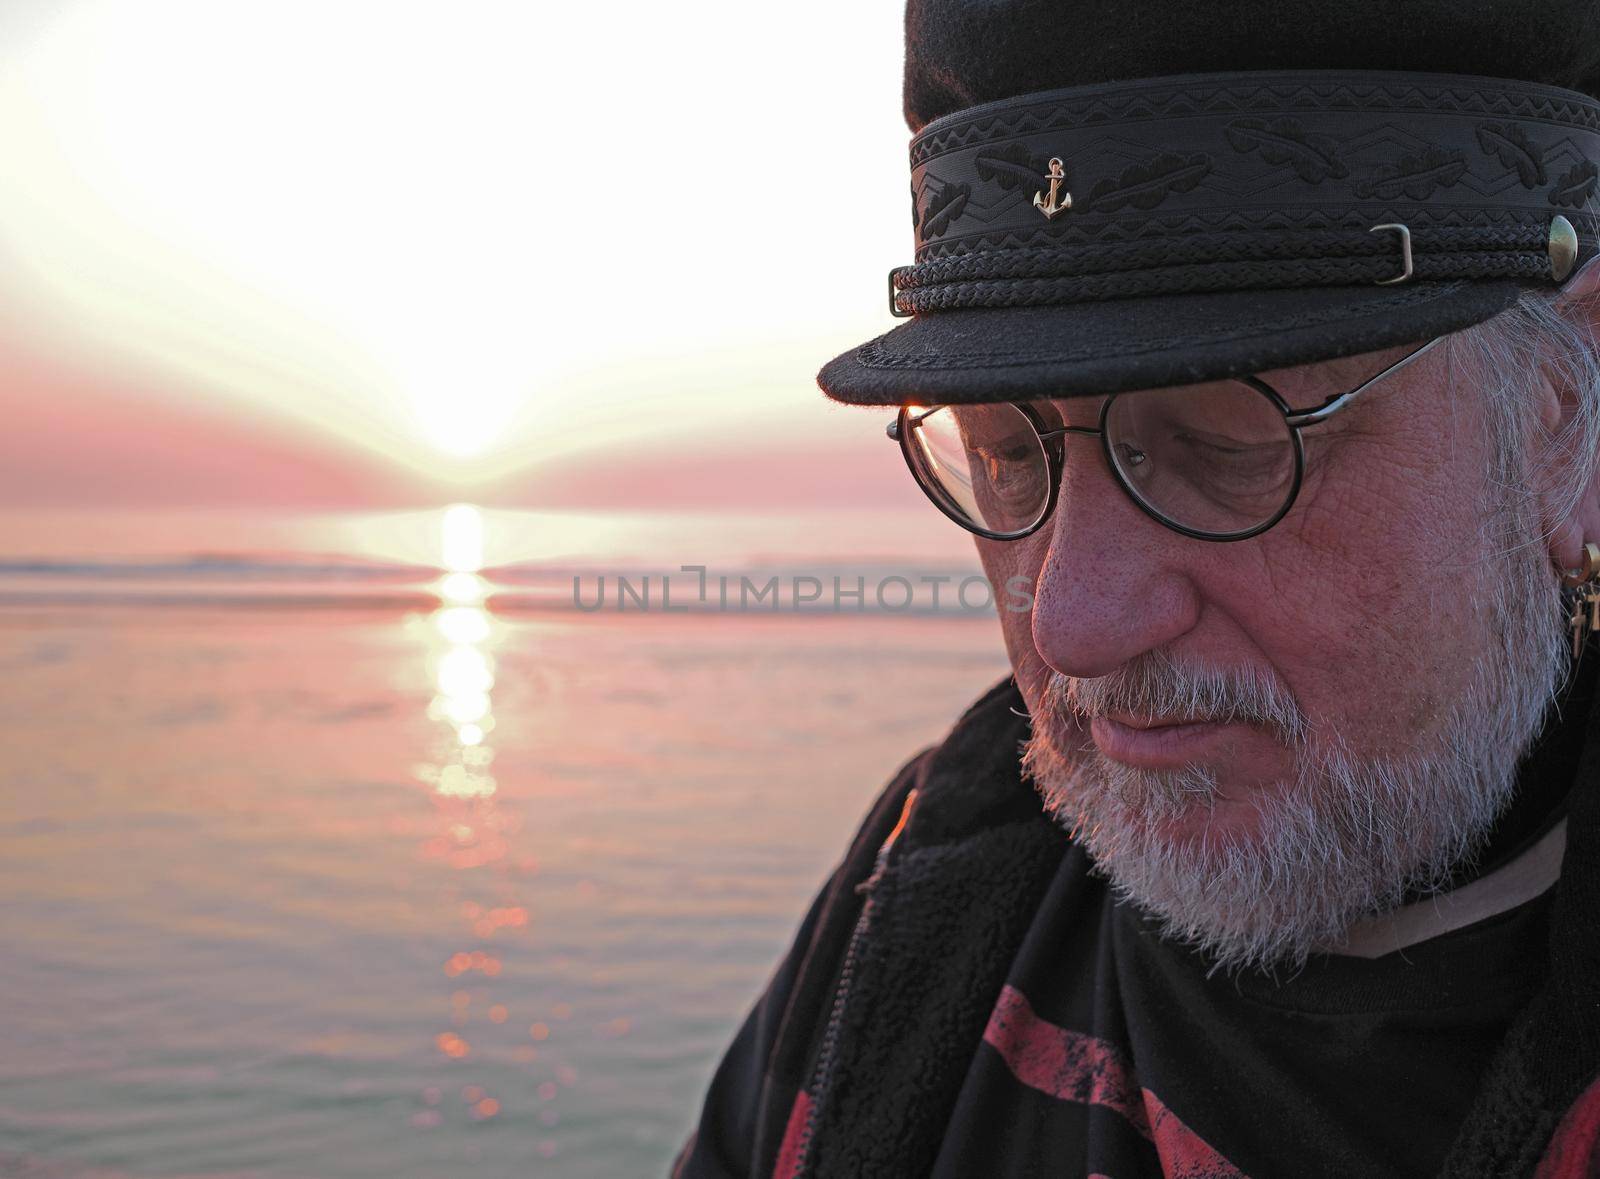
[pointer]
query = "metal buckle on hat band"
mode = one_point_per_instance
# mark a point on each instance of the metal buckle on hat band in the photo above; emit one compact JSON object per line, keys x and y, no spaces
{"x":894,"y":272}
{"x":1405,"y":253}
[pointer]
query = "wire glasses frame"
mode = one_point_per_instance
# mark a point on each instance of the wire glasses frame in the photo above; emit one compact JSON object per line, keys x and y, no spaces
{"x":1052,"y":443}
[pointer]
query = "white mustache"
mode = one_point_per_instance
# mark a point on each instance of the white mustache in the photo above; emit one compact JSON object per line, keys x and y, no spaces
{"x":1154,"y":685}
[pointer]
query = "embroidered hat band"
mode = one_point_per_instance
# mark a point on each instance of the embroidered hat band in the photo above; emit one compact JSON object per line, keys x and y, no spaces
{"x":1249,"y":180}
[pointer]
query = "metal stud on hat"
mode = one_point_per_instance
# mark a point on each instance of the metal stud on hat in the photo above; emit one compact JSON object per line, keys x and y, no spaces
{"x":1562,"y":247}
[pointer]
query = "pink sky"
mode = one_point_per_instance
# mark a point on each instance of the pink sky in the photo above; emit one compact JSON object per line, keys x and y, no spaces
{"x":77,"y":436}
{"x":380,"y":295}
{"x":77,"y":439}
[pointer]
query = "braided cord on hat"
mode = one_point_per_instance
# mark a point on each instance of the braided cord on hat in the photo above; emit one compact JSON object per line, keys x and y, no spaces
{"x":1216,"y":262}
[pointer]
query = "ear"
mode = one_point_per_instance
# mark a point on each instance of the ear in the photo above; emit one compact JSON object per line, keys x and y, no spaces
{"x":1570,"y":525}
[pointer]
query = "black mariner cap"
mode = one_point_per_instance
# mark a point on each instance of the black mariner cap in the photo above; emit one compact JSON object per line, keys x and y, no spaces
{"x":1121,"y":194}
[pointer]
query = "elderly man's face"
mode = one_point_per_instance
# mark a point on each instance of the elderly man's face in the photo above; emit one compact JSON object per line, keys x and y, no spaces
{"x":1383,"y":648}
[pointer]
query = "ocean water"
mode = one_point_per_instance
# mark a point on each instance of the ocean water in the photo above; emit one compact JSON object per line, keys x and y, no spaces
{"x":317,"y":865}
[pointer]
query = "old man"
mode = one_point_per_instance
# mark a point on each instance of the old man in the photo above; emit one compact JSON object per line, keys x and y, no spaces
{"x":1262,"y":343}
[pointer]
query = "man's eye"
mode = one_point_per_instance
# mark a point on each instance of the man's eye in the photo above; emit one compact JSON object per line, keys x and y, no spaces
{"x":1242,"y":460}
{"x":1010,"y":470}
{"x":1003,"y":460}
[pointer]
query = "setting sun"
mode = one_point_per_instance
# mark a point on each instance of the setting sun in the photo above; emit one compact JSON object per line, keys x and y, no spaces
{"x":389,"y":228}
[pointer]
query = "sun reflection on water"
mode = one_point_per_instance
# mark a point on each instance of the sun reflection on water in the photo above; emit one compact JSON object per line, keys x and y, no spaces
{"x":488,"y":1018}
{"x":462,"y":666}
{"x":471,"y":835}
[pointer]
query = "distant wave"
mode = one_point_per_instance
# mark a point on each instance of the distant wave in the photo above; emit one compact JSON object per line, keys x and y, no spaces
{"x":273,"y":582}
{"x":219,"y":567}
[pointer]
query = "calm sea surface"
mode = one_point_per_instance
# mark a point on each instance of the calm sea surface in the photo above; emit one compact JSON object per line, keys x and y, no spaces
{"x":324,"y":874}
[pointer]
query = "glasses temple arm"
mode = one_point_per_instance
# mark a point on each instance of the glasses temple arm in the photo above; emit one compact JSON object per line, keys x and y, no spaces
{"x":1333,"y":405}
{"x":893,"y":428}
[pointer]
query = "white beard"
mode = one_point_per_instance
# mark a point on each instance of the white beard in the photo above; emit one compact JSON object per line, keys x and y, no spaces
{"x":1343,"y":837}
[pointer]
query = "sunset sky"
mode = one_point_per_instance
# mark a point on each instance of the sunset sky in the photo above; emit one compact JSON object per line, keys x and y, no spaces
{"x":381,"y":254}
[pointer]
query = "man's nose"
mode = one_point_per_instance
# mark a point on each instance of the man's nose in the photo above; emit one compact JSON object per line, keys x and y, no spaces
{"x":1113,"y":583}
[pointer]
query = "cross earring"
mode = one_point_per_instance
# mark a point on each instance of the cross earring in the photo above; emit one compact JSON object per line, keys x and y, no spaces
{"x":1585,"y":616}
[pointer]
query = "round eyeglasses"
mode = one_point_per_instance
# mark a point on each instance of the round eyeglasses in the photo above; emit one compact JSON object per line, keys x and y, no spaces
{"x":1222,"y":461}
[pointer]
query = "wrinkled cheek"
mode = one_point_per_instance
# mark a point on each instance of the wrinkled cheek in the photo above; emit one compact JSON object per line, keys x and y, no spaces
{"x":1012,"y":568}
{"x":1398,"y":681}
{"x":1375,"y":657}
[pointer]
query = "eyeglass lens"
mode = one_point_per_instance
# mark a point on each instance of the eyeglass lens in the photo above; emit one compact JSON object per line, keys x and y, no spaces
{"x":984,"y":464}
{"x":1217,"y":459}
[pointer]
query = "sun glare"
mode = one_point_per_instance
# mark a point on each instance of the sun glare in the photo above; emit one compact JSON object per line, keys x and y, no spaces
{"x":461,"y":540}
{"x":330,"y":182}
{"x":453,"y":234}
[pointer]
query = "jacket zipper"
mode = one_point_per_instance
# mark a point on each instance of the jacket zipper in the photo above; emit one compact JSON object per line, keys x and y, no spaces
{"x":823,"y":1076}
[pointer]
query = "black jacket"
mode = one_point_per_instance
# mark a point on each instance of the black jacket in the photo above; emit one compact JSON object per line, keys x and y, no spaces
{"x":851,"y":1059}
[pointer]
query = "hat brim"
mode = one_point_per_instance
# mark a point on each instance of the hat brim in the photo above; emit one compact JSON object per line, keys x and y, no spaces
{"x":1076,"y":349}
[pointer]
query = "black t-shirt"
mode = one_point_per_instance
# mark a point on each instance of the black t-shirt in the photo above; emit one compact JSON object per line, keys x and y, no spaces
{"x":1111,"y":1053}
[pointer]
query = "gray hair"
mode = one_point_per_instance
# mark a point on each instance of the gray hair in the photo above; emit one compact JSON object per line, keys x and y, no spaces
{"x":1509,"y":357}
